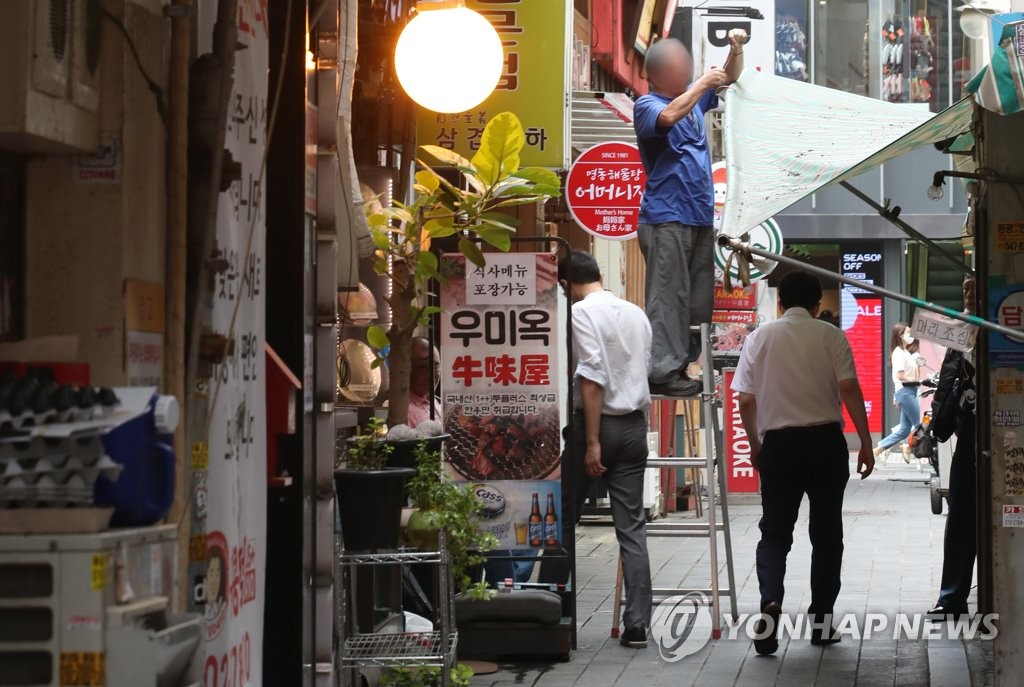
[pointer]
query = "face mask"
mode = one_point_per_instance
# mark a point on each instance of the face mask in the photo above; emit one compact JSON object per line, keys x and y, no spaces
{"x":907,"y":338}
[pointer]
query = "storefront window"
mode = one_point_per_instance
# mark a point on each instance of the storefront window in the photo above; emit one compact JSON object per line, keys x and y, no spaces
{"x":791,"y":40}
{"x":900,"y":51}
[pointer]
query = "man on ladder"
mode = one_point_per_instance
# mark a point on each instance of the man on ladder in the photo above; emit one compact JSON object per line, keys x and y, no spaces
{"x":792,"y":375}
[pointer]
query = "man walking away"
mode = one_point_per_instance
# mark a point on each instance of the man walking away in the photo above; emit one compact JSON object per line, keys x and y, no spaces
{"x":611,"y":344}
{"x":677,"y":211}
{"x":791,"y":377}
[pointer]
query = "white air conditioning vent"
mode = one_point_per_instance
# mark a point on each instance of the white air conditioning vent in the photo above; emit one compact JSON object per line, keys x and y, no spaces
{"x":49,"y":95}
{"x":87,"y":29}
{"x":51,"y":49}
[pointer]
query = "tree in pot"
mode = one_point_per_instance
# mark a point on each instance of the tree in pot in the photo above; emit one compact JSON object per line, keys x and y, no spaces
{"x":443,"y":505}
{"x":370,"y":494}
{"x":402,"y":234}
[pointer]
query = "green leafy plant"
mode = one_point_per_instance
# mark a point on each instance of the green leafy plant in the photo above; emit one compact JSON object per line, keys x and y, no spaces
{"x":494,"y":182}
{"x":426,"y":677}
{"x":368,"y":450}
{"x":445,"y":505}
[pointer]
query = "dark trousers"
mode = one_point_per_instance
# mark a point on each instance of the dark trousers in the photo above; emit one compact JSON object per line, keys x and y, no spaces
{"x":680,"y":291}
{"x":624,"y":452}
{"x":793,"y":462}
{"x":961,"y":541}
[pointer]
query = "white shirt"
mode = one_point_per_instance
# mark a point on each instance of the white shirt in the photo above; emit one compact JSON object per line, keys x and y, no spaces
{"x":611,"y":341}
{"x":793,"y":367}
{"x":904,"y":361}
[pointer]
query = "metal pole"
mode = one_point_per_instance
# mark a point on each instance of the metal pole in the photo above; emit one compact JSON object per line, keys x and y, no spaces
{"x":893,"y":217}
{"x":747,"y":249}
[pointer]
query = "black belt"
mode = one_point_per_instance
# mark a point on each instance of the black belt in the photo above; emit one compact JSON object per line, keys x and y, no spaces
{"x":911,"y":385}
{"x":809,"y":429}
{"x":579,"y":411}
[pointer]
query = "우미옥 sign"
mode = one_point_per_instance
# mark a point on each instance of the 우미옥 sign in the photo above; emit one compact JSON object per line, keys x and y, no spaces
{"x":500,"y":374}
{"x":534,"y":85}
{"x":604,"y":189}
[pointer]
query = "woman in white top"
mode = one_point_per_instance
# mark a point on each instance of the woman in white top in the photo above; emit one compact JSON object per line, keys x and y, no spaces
{"x":906,"y":376}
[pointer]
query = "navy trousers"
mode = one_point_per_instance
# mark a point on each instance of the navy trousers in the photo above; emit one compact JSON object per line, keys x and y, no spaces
{"x":961,"y":542}
{"x":795,"y":461}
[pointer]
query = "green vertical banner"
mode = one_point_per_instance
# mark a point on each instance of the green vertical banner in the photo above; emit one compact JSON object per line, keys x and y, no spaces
{"x":533,"y":84}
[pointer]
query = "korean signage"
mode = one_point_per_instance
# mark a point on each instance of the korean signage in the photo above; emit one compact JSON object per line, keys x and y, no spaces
{"x":500,"y":373}
{"x":604,"y":188}
{"x":1008,"y":310}
{"x":533,"y":84}
{"x":227,"y":550}
{"x":945,"y":331}
{"x":144,"y":333}
{"x":861,"y":316}
{"x":742,"y":477}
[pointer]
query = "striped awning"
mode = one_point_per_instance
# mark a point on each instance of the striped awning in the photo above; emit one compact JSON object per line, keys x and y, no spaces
{"x":999,"y":87}
{"x":786,"y":139}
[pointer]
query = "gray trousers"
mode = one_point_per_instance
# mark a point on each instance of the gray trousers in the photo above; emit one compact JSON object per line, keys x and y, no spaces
{"x":680,"y":292}
{"x":624,"y":453}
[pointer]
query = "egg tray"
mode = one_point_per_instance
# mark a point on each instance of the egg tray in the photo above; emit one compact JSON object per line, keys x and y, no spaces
{"x":30,"y":419}
{"x":68,"y":480}
{"x":81,"y":444}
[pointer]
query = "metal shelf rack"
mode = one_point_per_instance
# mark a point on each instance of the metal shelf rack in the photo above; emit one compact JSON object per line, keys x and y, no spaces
{"x":402,"y":649}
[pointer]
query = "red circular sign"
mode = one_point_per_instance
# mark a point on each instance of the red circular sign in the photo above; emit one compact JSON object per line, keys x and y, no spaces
{"x":604,"y":188}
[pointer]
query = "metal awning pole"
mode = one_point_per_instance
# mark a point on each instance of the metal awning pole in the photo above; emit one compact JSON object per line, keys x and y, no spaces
{"x":748,"y":250}
{"x":893,"y":217}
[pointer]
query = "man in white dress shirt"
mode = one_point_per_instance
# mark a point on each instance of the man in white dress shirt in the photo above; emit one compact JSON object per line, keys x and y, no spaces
{"x":793,"y":376}
{"x":611,"y":348}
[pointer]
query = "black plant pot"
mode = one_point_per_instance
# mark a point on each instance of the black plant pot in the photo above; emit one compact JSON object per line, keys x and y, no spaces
{"x":370,"y":504}
{"x":404,"y":453}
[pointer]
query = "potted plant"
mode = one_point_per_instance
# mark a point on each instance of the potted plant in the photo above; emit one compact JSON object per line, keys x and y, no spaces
{"x":370,"y":494}
{"x":429,"y":676}
{"x":443,"y":505}
{"x":402,"y":234}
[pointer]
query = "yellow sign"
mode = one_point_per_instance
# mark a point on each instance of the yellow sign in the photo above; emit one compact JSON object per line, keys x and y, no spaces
{"x":82,"y":669}
{"x":1010,"y":236}
{"x":99,"y":571}
{"x":200,"y":455}
{"x":532,"y":85}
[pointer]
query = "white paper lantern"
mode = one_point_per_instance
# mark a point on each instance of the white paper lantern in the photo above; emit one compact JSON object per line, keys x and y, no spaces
{"x":448,"y":59}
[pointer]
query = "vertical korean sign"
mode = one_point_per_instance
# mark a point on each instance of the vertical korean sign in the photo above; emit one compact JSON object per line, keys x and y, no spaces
{"x":500,"y":339}
{"x":533,"y":85}
{"x":227,"y":552}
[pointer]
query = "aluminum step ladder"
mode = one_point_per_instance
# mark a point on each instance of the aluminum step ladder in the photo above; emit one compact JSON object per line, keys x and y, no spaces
{"x":707,"y":524}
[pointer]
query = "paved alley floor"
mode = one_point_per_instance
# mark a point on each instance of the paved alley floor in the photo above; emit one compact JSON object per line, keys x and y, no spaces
{"x":892,"y":565}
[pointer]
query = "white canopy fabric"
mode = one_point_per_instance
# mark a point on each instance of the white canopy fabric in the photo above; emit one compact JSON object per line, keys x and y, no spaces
{"x":786,"y":139}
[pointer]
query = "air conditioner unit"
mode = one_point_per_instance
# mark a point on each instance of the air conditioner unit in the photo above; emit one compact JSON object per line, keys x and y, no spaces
{"x":49,"y":95}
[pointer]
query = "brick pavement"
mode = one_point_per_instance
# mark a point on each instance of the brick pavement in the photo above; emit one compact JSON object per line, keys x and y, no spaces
{"x":892,"y":564}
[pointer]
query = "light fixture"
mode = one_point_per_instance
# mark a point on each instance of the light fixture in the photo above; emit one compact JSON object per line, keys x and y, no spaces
{"x":938,"y":179}
{"x":448,"y":58}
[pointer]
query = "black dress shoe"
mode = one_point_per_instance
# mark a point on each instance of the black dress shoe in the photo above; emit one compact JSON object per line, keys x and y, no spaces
{"x":766,"y":629}
{"x":677,"y":388}
{"x":634,"y":638}
{"x":820,"y":638}
{"x":940,"y":613}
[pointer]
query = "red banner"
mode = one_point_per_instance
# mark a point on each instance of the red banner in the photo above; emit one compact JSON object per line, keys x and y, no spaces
{"x":737,"y":299}
{"x":865,"y":336}
{"x":741,"y":477}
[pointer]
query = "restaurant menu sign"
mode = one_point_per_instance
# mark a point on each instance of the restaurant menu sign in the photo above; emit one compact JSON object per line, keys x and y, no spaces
{"x":500,"y":338}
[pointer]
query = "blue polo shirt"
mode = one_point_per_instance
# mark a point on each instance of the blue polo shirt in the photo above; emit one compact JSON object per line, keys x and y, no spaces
{"x":677,"y":162}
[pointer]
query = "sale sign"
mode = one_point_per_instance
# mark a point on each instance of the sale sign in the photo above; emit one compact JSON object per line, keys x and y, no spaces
{"x":741,"y":477}
{"x":604,"y":188}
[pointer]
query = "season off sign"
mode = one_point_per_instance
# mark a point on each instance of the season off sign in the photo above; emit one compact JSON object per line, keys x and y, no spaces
{"x":604,"y":188}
